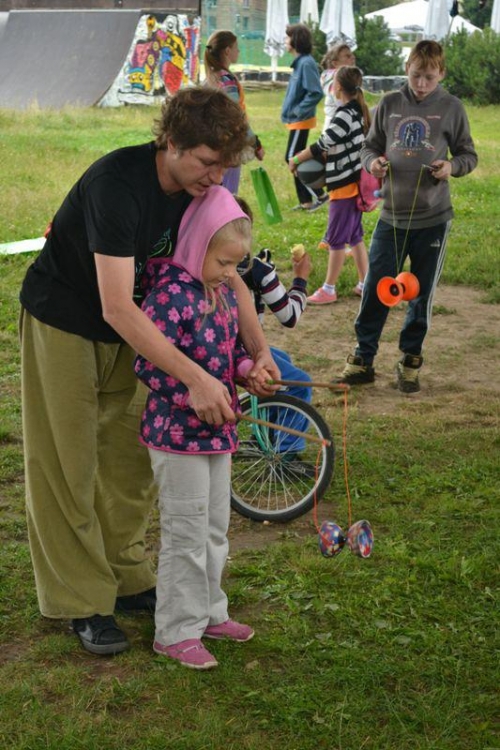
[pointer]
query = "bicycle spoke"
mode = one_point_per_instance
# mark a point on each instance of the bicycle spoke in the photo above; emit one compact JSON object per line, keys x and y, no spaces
{"x":274,"y":474}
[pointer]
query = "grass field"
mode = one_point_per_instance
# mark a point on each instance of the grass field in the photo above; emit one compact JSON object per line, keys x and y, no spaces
{"x":398,"y":652}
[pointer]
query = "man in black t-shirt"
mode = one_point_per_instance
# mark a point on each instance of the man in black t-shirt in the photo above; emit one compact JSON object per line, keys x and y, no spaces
{"x":89,"y":483}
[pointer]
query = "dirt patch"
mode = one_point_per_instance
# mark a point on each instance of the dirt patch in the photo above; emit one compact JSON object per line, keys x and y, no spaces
{"x":461,"y":356}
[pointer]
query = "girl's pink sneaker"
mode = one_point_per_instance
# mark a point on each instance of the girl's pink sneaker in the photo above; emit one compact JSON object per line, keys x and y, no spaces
{"x":320,"y":297}
{"x":230,"y":629}
{"x":191,"y":653}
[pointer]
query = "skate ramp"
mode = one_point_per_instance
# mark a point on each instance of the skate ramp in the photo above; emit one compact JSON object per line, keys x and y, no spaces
{"x":3,"y":22}
{"x":53,"y":58}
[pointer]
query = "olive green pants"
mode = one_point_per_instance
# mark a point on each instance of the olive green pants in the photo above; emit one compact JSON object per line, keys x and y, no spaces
{"x":89,"y":485}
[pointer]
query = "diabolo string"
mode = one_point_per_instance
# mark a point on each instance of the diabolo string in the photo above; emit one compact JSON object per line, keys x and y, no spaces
{"x":345,"y":466}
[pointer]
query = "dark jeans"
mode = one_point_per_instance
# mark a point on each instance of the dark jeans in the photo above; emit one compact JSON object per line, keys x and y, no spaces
{"x":297,"y":141}
{"x":389,"y":248}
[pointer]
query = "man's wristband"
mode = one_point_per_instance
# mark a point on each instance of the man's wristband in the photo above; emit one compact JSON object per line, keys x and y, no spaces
{"x":295,"y":160}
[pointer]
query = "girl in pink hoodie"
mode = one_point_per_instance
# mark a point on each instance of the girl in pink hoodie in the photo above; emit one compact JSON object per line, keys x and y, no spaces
{"x":192,"y":304}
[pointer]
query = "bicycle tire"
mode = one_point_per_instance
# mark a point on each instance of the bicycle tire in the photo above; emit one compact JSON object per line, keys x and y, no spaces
{"x":272,"y":484}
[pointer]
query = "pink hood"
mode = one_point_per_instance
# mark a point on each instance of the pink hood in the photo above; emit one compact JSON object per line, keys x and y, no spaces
{"x":203,"y":217}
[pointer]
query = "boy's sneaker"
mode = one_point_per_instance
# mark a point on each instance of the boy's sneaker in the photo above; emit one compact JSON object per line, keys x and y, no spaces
{"x":100,"y":634}
{"x":320,"y":297}
{"x":356,"y":372}
{"x":190,"y":653}
{"x":233,"y":631}
{"x":407,"y":373}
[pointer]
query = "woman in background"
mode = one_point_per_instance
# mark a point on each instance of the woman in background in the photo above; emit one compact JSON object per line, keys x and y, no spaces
{"x":336,"y":56}
{"x":298,"y":112}
{"x":221,"y":52}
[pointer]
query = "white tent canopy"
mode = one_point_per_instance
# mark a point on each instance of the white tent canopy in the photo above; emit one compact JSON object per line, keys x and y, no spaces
{"x":411,"y":16}
{"x":309,"y":11}
{"x":438,"y":20}
{"x":337,"y":22}
{"x":276,"y":23}
{"x":495,"y":16}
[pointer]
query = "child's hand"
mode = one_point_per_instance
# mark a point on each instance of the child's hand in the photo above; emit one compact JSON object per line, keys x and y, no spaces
{"x":303,"y":267}
{"x":262,"y":372}
{"x":379,"y":167}
{"x":258,"y":383}
{"x":441,"y":169}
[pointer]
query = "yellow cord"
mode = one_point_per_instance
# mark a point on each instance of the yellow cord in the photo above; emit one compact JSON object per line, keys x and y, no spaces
{"x":391,"y":187}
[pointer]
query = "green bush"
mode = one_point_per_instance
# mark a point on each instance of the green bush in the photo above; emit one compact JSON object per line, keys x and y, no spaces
{"x":478,"y":13}
{"x":377,"y":54}
{"x":473,"y":66}
{"x":319,"y":42}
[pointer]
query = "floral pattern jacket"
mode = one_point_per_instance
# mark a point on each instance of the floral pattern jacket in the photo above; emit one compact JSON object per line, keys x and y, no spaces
{"x":179,"y":306}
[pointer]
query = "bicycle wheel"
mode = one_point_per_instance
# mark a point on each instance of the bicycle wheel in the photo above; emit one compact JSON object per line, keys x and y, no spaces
{"x":276,"y":476}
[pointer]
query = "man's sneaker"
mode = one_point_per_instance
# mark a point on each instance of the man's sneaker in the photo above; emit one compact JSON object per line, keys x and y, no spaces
{"x":131,"y":605}
{"x":320,"y":297}
{"x":100,"y":634}
{"x":190,"y":653}
{"x":407,"y":373}
{"x":356,"y":372}
{"x":233,"y":631}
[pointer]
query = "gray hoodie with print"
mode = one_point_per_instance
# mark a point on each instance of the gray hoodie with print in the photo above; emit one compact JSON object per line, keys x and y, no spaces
{"x":411,"y":134}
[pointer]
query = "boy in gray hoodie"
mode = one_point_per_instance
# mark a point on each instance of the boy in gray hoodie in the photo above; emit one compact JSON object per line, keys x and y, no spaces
{"x":419,"y":138}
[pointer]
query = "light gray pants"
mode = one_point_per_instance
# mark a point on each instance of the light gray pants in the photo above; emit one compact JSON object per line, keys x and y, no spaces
{"x":194,"y":499}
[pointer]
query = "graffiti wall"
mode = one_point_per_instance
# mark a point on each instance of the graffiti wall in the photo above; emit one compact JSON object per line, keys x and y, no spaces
{"x":163,"y":57}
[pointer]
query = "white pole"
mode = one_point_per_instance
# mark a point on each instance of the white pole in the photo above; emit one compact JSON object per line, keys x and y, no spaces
{"x":274,"y":68}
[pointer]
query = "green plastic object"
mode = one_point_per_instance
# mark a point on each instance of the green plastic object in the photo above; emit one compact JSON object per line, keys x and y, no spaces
{"x":266,"y":197}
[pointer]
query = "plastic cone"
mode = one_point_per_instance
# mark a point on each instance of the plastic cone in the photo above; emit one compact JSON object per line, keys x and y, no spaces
{"x":410,"y":283}
{"x":360,"y":539}
{"x":389,"y":291}
{"x":331,"y":539}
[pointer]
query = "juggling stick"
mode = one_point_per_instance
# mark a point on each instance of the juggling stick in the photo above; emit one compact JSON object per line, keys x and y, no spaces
{"x":310,"y":384}
{"x":331,"y":537}
{"x":290,"y":430}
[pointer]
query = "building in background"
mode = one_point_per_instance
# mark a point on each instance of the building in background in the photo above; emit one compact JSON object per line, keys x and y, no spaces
{"x":245,"y":18}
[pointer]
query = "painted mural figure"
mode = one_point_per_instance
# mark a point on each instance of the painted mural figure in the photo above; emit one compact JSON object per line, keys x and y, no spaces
{"x":172,"y":70}
{"x":164,"y":56}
